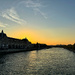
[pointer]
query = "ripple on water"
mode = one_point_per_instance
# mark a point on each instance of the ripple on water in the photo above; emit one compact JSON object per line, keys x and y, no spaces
{"x":52,"y":61}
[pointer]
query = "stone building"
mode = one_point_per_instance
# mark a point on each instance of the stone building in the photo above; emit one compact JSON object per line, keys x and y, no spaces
{"x":13,"y":43}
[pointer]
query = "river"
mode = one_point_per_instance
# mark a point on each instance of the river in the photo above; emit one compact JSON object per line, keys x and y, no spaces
{"x":53,"y":61}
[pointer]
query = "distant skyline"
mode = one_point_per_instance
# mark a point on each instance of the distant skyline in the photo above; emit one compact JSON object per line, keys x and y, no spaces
{"x":45,"y":21}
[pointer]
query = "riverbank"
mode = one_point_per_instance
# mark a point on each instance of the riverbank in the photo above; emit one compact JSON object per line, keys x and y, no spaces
{"x":68,"y":47}
{"x":33,"y":47}
{"x":6,"y":51}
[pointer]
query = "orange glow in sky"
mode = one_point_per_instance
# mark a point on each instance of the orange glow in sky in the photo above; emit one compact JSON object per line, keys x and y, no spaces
{"x":44,"y":21}
{"x":35,"y":36}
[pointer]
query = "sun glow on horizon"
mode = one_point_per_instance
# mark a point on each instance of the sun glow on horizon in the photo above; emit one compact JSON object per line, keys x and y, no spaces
{"x":34,"y":37}
{"x":37,"y":22}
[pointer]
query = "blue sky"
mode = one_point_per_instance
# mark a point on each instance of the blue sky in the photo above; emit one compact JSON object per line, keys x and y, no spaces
{"x":52,"y":20}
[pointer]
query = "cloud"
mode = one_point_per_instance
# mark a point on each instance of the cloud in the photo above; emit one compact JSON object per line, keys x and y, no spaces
{"x":3,"y":25}
{"x":35,"y":5}
{"x":43,"y":14}
{"x":12,"y":15}
{"x":30,"y":3}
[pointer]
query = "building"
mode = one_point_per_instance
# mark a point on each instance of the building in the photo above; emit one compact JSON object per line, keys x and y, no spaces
{"x":13,"y":43}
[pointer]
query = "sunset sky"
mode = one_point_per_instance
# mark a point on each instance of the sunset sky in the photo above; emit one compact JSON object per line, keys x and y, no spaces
{"x":45,"y":21}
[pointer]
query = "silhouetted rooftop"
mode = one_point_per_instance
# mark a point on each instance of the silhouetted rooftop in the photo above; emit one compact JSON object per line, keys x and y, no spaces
{"x":2,"y":34}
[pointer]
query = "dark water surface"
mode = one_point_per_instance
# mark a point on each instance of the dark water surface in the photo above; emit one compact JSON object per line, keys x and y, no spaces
{"x":53,"y":61}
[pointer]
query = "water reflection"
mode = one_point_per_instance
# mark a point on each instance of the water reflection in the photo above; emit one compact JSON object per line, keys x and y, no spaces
{"x":52,"y":61}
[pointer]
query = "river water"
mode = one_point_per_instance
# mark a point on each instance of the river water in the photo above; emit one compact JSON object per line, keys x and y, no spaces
{"x":53,"y":61}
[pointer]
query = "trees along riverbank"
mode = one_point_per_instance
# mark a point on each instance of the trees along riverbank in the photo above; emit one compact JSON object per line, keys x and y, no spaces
{"x":70,"y":47}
